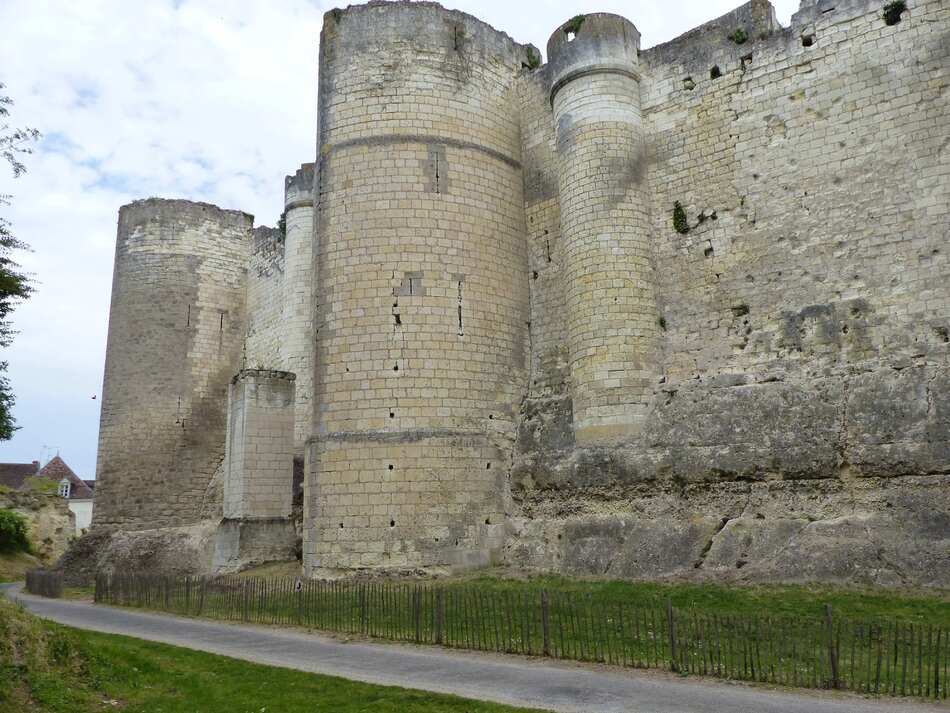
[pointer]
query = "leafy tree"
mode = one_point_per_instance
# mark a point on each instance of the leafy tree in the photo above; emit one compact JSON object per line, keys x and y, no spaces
{"x":14,"y":283}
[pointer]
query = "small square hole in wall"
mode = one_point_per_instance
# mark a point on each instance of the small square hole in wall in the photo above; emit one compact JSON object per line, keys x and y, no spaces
{"x":715,"y":72}
{"x":808,"y":40}
{"x":688,"y":84}
{"x":571,"y":35}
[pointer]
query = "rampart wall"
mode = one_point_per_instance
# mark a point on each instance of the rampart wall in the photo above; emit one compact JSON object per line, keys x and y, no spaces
{"x":796,"y":427}
{"x":666,"y":312}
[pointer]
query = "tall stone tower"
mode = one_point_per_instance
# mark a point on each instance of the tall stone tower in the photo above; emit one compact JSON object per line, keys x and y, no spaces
{"x":297,"y":303}
{"x":421,"y":305}
{"x":605,"y":229}
{"x":176,"y":330}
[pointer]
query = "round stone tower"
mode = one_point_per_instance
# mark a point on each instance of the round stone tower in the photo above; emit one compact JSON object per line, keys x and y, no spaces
{"x":297,"y":312}
{"x":176,"y":330}
{"x":421,"y":304}
{"x":611,"y":305}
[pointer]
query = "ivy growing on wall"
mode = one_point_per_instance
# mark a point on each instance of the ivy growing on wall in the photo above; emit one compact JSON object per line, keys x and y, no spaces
{"x":680,"y":223}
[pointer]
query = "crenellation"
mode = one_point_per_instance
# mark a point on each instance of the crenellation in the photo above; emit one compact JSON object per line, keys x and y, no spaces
{"x":509,"y":346}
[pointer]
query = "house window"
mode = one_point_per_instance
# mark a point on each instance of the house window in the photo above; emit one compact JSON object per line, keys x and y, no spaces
{"x":64,"y":487}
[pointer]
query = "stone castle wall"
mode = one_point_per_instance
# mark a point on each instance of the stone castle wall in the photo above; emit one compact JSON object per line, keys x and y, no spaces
{"x":504,"y":349}
{"x":796,"y":426}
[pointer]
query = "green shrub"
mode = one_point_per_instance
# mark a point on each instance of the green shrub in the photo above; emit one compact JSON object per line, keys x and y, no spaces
{"x":13,"y":532}
{"x":534,"y":59}
{"x":893,"y":12}
{"x":573,"y":26}
{"x":739,"y":36}
{"x":680,"y":223}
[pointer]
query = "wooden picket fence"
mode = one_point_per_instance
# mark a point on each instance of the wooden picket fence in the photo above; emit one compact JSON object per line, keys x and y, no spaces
{"x":44,"y":583}
{"x":893,"y":658}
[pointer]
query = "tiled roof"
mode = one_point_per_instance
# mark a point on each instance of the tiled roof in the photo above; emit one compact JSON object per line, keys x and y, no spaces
{"x":57,"y":469}
{"x":12,"y":475}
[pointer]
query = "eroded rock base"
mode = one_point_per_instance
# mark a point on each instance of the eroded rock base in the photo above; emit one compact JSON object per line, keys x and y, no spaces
{"x":241,"y":544}
{"x":871,"y":531}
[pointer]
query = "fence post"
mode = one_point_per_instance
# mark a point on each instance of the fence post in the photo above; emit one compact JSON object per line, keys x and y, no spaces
{"x":361,"y":594}
{"x":417,"y":612}
{"x":439,"y":614}
{"x":671,"y":627}
{"x":244,"y":598}
{"x":832,"y":653}
{"x":545,"y":624}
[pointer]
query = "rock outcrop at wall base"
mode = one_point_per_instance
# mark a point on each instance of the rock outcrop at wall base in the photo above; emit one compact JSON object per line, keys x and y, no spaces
{"x":171,"y":551}
{"x":208,"y":547}
{"x":880,"y":531}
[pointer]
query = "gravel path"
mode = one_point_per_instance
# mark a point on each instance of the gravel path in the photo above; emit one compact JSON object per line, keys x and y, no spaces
{"x":518,"y":681}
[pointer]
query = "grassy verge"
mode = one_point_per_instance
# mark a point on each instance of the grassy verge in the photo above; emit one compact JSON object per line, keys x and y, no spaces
{"x":871,"y":642}
{"x":48,"y":668}
{"x":765,"y":600}
{"x":13,"y":567}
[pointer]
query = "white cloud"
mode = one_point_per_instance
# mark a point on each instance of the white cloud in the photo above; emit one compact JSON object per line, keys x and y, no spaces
{"x":206,"y":99}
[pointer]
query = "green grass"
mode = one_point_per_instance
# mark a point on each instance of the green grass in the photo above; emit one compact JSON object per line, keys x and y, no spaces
{"x":885,"y":642}
{"x":13,"y":566}
{"x":925,"y":606}
{"x":79,"y":593}
{"x":48,"y":668}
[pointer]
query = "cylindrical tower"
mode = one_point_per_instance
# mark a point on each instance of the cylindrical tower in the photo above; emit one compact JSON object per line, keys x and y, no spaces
{"x":176,"y":329}
{"x":297,"y":323}
{"x":611,"y":305}
{"x":422,"y":298}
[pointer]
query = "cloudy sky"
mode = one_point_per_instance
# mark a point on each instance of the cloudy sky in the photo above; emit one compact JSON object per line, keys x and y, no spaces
{"x":210,"y":100}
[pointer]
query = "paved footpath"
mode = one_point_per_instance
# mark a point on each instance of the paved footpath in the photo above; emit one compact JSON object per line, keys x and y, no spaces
{"x":516,"y":681}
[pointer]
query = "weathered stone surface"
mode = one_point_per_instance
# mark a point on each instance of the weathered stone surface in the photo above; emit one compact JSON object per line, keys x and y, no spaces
{"x":509,"y":344}
{"x":241,"y":544}
{"x":51,"y":523}
{"x":171,"y":551}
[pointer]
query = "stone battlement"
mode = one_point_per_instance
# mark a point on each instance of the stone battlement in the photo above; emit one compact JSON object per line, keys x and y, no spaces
{"x":676,"y":311}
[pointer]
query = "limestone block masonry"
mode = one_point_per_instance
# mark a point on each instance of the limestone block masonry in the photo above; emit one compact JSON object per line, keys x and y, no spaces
{"x":260,"y":435}
{"x":605,"y":216}
{"x":668,"y":312}
{"x":176,"y":329}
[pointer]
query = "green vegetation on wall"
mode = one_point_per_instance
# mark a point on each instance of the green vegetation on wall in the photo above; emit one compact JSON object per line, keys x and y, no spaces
{"x":573,"y":26}
{"x":680,"y":223}
{"x":893,"y":12}
{"x":534,"y":59}
{"x":14,"y":535}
